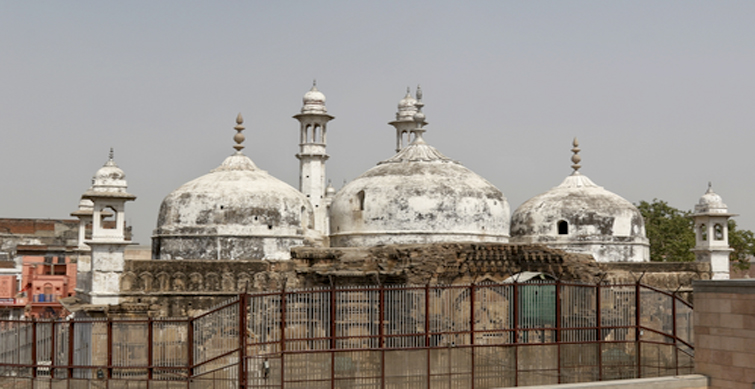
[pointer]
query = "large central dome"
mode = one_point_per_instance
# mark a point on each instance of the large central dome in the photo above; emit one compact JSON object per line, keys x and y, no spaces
{"x":418,"y":196}
{"x":237,"y":211}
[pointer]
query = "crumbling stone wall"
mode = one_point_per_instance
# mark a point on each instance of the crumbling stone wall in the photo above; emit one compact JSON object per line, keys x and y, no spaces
{"x":188,"y":287}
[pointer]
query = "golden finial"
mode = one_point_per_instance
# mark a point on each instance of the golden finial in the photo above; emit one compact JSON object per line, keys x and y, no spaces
{"x":576,"y":159}
{"x":239,"y":137}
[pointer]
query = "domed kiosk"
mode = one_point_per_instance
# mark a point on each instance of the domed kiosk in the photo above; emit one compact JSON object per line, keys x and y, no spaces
{"x":237,"y":211}
{"x":580,"y":216}
{"x":418,"y":196}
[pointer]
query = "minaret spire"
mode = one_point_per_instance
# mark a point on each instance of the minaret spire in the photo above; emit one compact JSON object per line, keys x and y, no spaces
{"x":313,"y":122}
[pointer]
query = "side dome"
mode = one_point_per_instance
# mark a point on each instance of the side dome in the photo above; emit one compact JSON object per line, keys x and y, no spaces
{"x":580,"y":216}
{"x":237,"y":211}
{"x":418,"y":196}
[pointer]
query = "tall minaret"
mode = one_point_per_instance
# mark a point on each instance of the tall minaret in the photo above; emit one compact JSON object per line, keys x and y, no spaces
{"x":712,"y":234}
{"x":108,"y":243}
{"x":404,"y":122}
{"x":313,"y":121}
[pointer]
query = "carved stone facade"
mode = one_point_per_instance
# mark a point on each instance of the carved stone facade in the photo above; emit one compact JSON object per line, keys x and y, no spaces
{"x":185,"y":288}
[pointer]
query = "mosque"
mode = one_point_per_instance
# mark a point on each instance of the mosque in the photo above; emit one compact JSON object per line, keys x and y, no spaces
{"x":263,"y":231}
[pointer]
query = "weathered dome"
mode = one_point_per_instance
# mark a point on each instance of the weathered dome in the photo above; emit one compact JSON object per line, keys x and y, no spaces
{"x":711,"y":202}
{"x":236,"y":211}
{"x":314,"y":101}
{"x":406,"y":107}
{"x":580,"y":216}
{"x":418,"y":196}
{"x":109,"y":178}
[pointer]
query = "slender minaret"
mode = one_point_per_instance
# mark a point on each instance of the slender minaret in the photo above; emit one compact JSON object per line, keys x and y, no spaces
{"x":712,"y":233}
{"x":108,"y":242}
{"x":313,"y":121}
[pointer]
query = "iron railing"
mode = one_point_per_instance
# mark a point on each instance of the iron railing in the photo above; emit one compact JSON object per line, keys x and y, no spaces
{"x":458,"y":336}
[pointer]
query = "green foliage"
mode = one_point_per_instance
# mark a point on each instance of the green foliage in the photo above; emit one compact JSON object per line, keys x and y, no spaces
{"x":743,"y":243}
{"x":670,"y":231}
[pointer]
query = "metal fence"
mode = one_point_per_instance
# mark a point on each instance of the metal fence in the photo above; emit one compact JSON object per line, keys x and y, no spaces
{"x":460,"y":336}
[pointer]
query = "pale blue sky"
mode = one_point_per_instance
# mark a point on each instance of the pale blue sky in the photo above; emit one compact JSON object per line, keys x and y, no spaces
{"x":660,"y":93}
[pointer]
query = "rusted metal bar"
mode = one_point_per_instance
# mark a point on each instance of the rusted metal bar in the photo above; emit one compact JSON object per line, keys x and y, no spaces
{"x":333,"y":313}
{"x":242,"y":341}
{"x":109,"y":348}
{"x":472,"y":333}
{"x":381,"y":329}
{"x":70,"y":348}
{"x":515,"y":341}
{"x":52,"y":348}
{"x":558,"y":328}
{"x":283,"y":336}
{"x":599,"y":333}
{"x":150,"y":348}
{"x":427,"y":330}
{"x":190,"y":347}
{"x":33,"y":356}
{"x":637,"y":331}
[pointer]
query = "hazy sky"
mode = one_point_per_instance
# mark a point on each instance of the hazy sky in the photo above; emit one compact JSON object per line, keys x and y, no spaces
{"x":660,"y":93}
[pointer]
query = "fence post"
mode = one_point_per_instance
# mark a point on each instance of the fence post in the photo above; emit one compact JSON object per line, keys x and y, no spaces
{"x":109,"y":348}
{"x":381,"y":305}
{"x":472,"y":292}
{"x":427,"y":330}
{"x":242,"y":340}
{"x":332,"y":335}
{"x":598,"y":332}
{"x":558,"y":328}
{"x":673,"y":331}
{"x":515,"y":293}
{"x":637,"y":331}
{"x":190,"y":348}
{"x":283,"y":335}
{"x":33,"y":347}
{"x":70,"y":348}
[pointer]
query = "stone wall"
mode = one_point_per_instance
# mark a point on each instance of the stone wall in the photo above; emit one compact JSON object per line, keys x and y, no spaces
{"x":188,"y":287}
{"x":725,"y":332}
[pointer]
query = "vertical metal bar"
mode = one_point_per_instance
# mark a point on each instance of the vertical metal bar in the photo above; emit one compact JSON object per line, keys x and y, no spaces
{"x":70,"y":349}
{"x":558,"y":327}
{"x":333,"y":312}
{"x":427,"y":330}
{"x":52,"y":348}
{"x":190,"y":347}
{"x":33,"y":347}
{"x":599,"y":335}
{"x":381,"y":305}
{"x":637,"y":332}
{"x":150,"y":347}
{"x":242,"y":340}
{"x":109,"y":348}
{"x":673,"y":331}
{"x":515,"y":292}
{"x":472,"y":292}
{"x":283,"y":334}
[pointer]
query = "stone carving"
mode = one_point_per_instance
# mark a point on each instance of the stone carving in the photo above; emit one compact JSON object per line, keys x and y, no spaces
{"x":228,"y":282}
{"x":196,"y":282}
{"x":128,"y":281}
{"x":179,"y":282}
{"x":146,"y":279}
{"x":212,"y":282}
{"x":163,"y":281}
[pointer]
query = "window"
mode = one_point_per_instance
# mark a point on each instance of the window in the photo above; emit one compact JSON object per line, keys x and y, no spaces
{"x":703,"y":232}
{"x":563,"y":227}
{"x":718,"y":232}
{"x":360,"y":197}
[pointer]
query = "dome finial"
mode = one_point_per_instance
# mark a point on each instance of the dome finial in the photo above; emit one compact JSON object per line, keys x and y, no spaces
{"x":419,"y":117}
{"x":110,"y":156}
{"x":576,"y":159}
{"x":239,"y":137}
{"x":710,"y":187}
{"x":314,"y":84}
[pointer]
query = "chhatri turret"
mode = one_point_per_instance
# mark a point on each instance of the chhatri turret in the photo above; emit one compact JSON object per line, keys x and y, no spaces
{"x":313,"y":122}
{"x":404,"y":122}
{"x":712,"y":233}
{"x":108,"y":194}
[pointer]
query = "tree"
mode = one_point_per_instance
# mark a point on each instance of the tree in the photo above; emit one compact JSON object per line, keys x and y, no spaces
{"x":670,"y":231}
{"x":671,"y":234}
{"x":743,"y":243}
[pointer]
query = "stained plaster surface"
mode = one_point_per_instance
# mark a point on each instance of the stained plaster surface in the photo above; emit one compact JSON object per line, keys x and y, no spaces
{"x":236,"y":211}
{"x":418,"y":196}
{"x":599,"y":222}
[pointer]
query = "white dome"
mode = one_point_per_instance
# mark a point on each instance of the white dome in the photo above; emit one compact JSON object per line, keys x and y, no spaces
{"x":418,"y":196}
{"x":407,"y":107}
{"x":109,"y":178}
{"x":711,"y":202}
{"x":236,"y":211}
{"x":314,"y":102}
{"x":580,"y":216}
